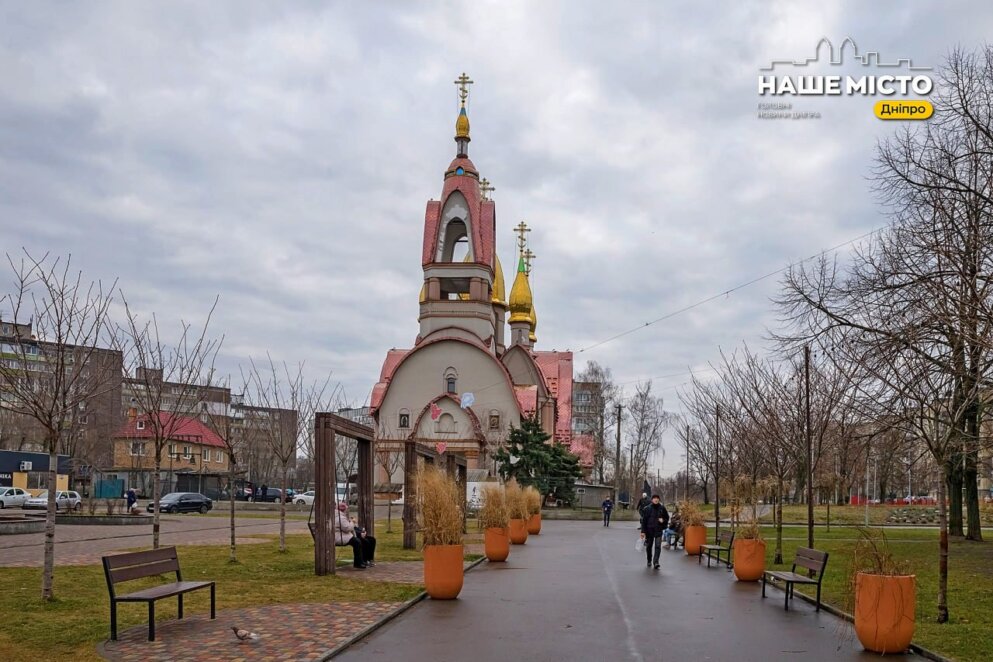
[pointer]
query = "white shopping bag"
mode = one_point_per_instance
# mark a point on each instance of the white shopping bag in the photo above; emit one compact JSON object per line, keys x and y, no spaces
{"x":639,"y":546}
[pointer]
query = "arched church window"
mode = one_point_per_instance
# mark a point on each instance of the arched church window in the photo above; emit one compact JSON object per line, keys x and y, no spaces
{"x":451,"y":376}
{"x":404,"y":421}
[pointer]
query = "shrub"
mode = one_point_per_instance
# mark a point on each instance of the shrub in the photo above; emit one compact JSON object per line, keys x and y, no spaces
{"x":439,"y":507}
{"x":493,"y":513}
{"x":533,"y":499}
{"x":749,"y":531}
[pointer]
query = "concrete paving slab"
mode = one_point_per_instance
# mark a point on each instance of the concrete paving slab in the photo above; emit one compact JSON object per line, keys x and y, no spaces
{"x":580,"y":591}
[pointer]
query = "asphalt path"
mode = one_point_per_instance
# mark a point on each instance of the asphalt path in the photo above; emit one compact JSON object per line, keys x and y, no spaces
{"x":580,"y":591}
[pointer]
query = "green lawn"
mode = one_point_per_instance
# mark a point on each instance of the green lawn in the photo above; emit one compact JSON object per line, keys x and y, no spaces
{"x":71,"y":626}
{"x":968,"y":636}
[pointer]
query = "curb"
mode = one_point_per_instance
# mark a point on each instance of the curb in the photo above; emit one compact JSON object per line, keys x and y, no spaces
{"x":834,"y":611}
{"x":369,"y":629}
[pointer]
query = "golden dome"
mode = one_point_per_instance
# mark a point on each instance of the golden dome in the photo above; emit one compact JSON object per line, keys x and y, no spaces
{"x":499,"y":287}
{"x":520,"y":296}
{"x":534,"y":325}
{"x":424,"y":294}
{"x":462,"y":124}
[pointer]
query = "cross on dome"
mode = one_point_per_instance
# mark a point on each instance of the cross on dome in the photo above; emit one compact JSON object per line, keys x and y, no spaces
{"x":463,"y":82}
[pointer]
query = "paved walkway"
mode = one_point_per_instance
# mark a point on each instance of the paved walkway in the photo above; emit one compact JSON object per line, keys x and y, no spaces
{"x":580,"y":591}
{"x":80,"y":544}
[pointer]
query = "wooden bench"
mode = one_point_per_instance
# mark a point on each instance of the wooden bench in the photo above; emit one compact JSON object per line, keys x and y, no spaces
{"x":811,"y":559}
{"x":137,"y":565}
{"x":725,"y":541}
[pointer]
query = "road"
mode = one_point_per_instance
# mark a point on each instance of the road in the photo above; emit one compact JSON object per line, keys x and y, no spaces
{"x":579,"y":591}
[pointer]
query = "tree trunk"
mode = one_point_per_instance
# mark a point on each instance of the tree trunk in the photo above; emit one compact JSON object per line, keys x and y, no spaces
{"x":156,"y":489}
{"x":942,"y":552}
{"x":48,"y":574}
{"x":954,"y":481}
{"x":282,"y":511}
{"x":779,"y":523}
{"x":234,"y":558}
{"x":974,"y":524}
{"x":706,"y":494}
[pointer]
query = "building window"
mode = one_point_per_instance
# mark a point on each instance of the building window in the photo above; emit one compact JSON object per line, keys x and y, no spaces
{"x":188,"y":452}
{"x":404,"y":419}
{"x":494,"y":421}
{"x":82,"y":419}
{"x":206,"y":455}
{"x":450,"y":385}
{"x":140,"y":425}
{"x":137,"y":447}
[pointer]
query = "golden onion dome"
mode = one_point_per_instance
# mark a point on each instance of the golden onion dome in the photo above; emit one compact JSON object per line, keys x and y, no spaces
{"x":520,"y":296}
{"x":424,"y":294}
{"x":499,"y":287}
{"x":534,"y":325}
{"x":462,"y":124}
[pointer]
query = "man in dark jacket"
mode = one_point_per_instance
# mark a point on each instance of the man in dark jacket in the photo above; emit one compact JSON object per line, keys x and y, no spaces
{"x":608,"y":507}
{"x":654,"y":521}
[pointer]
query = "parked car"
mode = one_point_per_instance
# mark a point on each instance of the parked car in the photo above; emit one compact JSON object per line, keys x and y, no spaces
{"x":12,"y":497}
{"x":63,"y":501}
{"x":272,"y":495}
{"x":305,"y":498}
{"x":182,"y":502}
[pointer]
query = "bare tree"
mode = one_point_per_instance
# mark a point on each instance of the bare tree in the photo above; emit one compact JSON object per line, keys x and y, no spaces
{"x":599,"y":411}
{"x":167,"y":381}
{"x":647,"y":421}
{"x":391,"y":462}
{"x":53,"y":369}
{"x":221,"y":421}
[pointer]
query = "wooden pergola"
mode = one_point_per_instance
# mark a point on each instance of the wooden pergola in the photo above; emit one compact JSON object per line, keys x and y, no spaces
{"x":329,"y":425}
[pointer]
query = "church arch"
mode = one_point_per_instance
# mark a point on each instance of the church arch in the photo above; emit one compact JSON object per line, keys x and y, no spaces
{"x":453,"y":229}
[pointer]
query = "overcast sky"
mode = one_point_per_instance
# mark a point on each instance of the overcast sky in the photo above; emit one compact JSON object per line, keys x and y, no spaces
{"x":280,"y":155}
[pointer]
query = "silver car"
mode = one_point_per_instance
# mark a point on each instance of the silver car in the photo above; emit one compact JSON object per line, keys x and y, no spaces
{"x":63,"y":501}
{"x":11,"y":497}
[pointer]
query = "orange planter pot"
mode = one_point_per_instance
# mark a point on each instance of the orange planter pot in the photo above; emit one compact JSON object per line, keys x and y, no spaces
{"x":518,"y":531}
{"x":749,"y":559}
{"x":693,"y":537}
{"x":884,"y":611}
{"x":496,"y":542}
{"x":534,"y":524}
{"x":443,"y":571}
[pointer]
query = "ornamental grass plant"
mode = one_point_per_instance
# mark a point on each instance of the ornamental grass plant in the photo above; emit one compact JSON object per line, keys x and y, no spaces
{"x":439,"y":507}
{"x":533,"y":499}
{"x":691,"y":513}
{"x":517,"y":503}
{"x":493,"y":513}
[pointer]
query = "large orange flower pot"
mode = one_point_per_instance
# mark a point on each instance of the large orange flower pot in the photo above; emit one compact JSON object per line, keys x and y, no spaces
{"x":534,"y":524}
{"x":496,"y":542}
{"x":749,"y":559}
{"x":884,"y":611}
{"x":693,"y":537}
{"x":518,"y":531}
{"x":443,"y":571}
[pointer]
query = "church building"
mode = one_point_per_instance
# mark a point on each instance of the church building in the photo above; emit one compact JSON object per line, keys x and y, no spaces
{"x":468,"y":377}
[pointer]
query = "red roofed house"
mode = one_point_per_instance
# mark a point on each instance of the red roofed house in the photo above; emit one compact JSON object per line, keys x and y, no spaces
{"x":466,"y":381}
{"x":194,"y":458}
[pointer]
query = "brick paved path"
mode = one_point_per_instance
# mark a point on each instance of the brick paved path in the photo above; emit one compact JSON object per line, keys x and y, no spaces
{"x":286,"y":632}
{"x":77,"y":544}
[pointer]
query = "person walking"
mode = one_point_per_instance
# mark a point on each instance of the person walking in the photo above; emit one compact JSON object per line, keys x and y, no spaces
{"x":654,"y":522}
{"x":132,"y":500}
{"x":642,"y":502}
{"x":264,"y":493}
{"x":608,"y":507}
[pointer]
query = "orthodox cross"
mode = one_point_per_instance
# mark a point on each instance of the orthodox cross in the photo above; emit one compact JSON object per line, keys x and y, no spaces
{"x":528,"y":256}
{"x":522,"y":229}
{"x":486,"y":187}
{"x":463,"y":82}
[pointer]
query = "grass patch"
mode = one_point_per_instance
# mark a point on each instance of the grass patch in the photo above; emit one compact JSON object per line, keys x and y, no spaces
{"x":968,"y":636}
{"x":71,"y":626}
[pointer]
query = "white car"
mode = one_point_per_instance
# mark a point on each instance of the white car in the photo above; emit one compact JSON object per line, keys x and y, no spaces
{"x":63,"y":501}
{"x":304,"y":498}
{"x":12,"y":497}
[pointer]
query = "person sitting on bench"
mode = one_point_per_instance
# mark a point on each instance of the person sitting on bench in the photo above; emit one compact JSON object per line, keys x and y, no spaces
{"x":344,"y":534}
